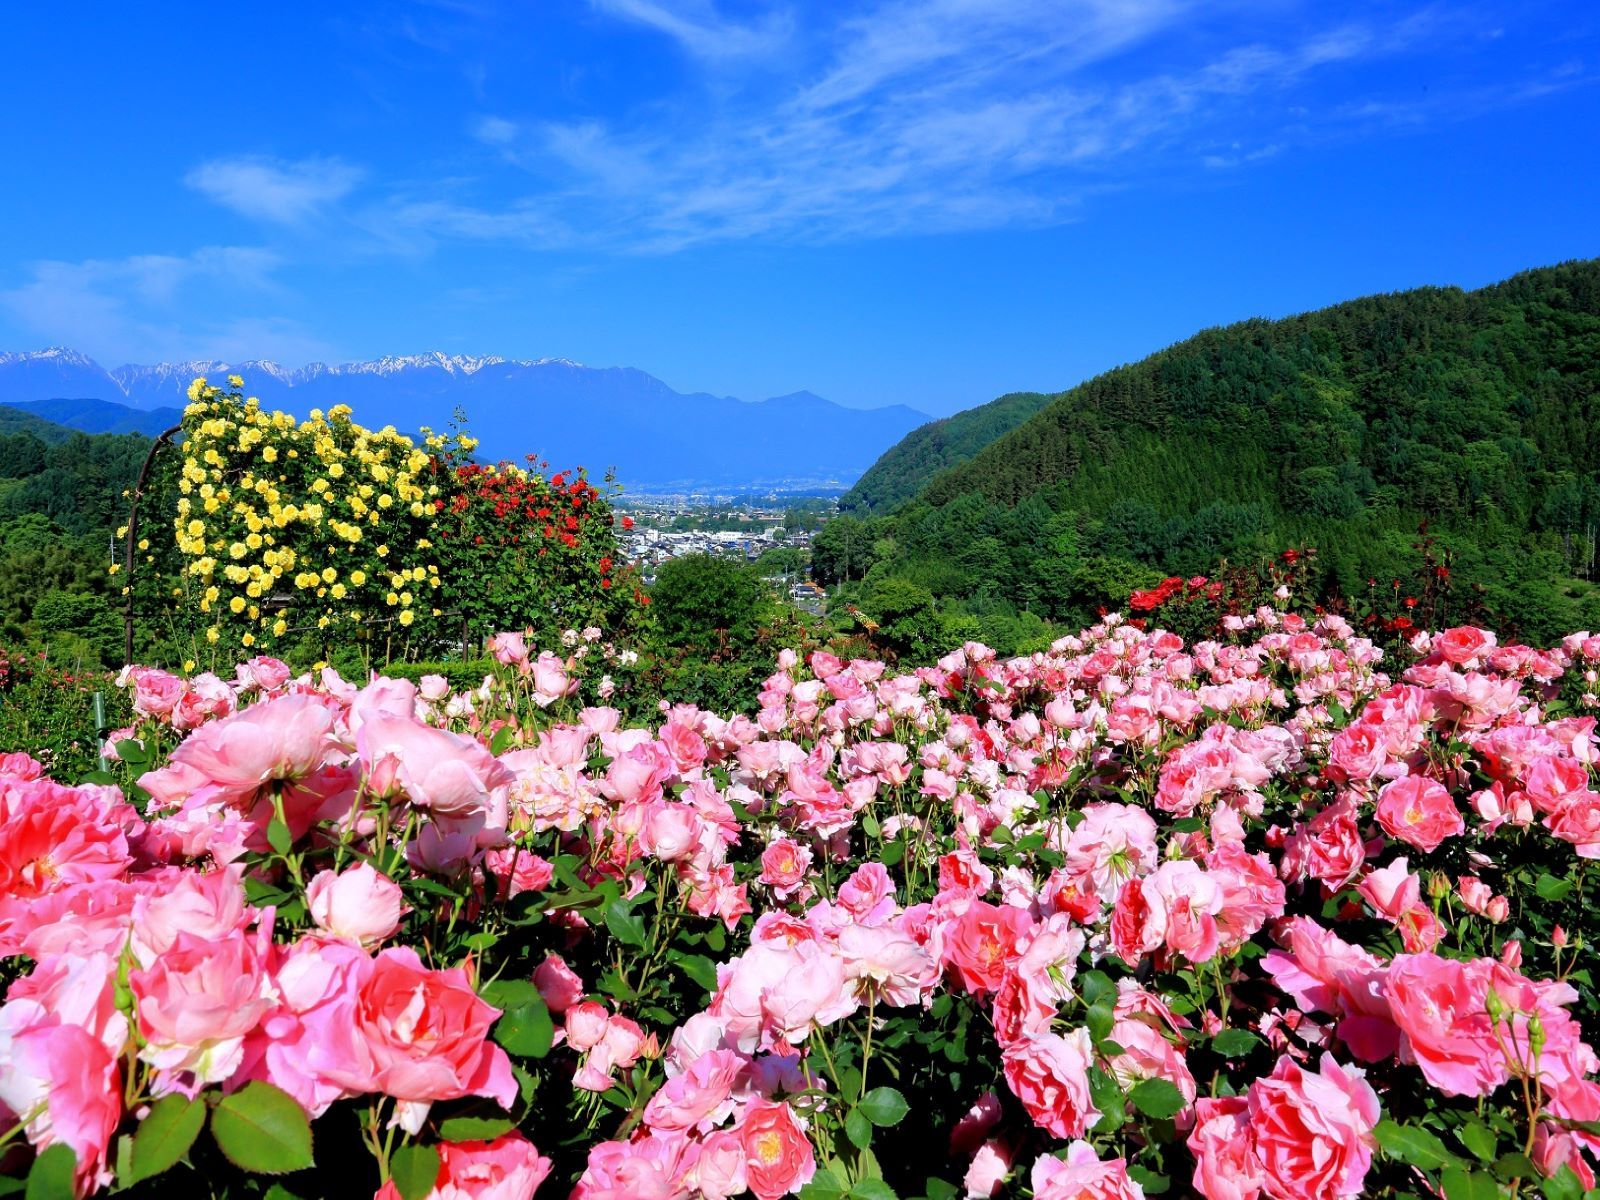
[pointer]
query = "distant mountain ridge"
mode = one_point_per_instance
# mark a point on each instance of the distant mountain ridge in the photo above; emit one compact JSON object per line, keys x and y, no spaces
{"x":573,"y":415}
{"x":100,"y":416}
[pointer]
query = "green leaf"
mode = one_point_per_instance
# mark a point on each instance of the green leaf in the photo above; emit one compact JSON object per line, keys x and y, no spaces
{"x":700,"y":969}
{"x":132,"y":751}
{"x":1235,"y":1043}
{"x":1153,"y":1183}
{"x":858,"y":1129}
{"x":1108,"y":1098}
{"x":940,"y":1189}
{"x":414,"y":1170}
{"x":624,"y":925}
{"x":870,"y":826}
{"x":1551,"y":888}
{"x":1515,"y":1165}
{"x":1100,"y":1018}
{"x":1096,"y":984}
{"x":1563,"y":1185}
{"x":1412,"y":1144}
{"x":164,"y":1137}
{"x":526,"y":1030}
{"x":884,"y":1106}
{"x":1476,"y":1138}
{"x":1157,"y":1098}
{"x":475,"y":1129}
{"x":51,"y":1176}
{"x":824,"y":1185}
{"x":507,"y":994}
{"x":1460,"y":1184}
{"x":278,"y":836}
{"x":262,"y":1129}
{"x":501,"y":741}
{"x":872,"y":1189}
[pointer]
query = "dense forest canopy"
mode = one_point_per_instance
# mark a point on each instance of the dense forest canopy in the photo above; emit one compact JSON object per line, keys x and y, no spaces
{"x":1477,"y":412}
{"x":907,"y":466}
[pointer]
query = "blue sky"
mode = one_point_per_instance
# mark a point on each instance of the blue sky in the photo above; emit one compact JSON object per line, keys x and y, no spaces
{"x":927,"y":202}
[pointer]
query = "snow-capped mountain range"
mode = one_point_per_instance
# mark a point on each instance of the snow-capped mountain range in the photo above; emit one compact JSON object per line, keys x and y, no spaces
{"x":555,"y":409}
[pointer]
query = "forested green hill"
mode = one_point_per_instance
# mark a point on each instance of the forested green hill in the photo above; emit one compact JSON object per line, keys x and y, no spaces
{"x":1343,"y":428}
{"x":61,"y":499}
{"x":907,"y":466}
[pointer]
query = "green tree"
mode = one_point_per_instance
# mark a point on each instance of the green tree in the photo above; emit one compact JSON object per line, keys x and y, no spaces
{"x":710,"y":606}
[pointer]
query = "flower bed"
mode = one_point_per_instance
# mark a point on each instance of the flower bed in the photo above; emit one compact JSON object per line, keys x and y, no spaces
{"x":1263,"y":917}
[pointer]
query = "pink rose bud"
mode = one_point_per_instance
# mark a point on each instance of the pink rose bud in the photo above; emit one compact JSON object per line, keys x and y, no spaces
{"x":586,"y":1025}
{"x":359,"y":905}
{"x":1558,"y":938}
{"x":558,"y":984}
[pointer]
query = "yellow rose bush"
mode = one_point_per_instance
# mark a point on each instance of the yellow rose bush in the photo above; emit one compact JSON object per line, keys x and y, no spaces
{"x":284,"y":525}
{"x":319,"y":536}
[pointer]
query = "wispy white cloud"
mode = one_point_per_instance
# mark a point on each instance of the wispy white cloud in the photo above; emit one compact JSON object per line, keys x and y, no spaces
{"x":494,"y":131}
{"x":266,"y":189}
{"x":894,"y":117}
{"x":133,"y":309}
{"x":699,"y":29}
{"x":911,"y":116}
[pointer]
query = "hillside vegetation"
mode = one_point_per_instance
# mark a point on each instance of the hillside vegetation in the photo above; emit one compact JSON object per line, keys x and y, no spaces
{"x":907,"y":466}
{"x":1347,"y":428}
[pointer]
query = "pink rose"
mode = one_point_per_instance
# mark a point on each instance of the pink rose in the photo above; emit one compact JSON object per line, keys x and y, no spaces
{"x":263,"y":672}
{"x":586,"y":1025}
{"x":230,"y":760}
{"x":313,"y":1029}
{"x":558,"y":984}
{"x":988,"y":1170}
{"x":1082,"y":1175}
{"x":1049,"y":1073}
{"x":1441,"y":1007}
{"x":518,"y":870}
{"x":699,"y":1097}
{"x":1463,"y":645}
{"x":550,"y":681}
{"x":197,"y":1000}
{"x":447,"y":774}
{"x":53,"y":838}
{"x":508,"y":1168}
{"x":982,"y":941}
{"x":1357,"y":752}
{"x":783,"y":866}
{"x":1419,"y":811}
{"x":208,"y":905}
{"x":1327,"y":848}
{"x":1225,"y":1168}
{"x":719,"y":1169}
{"x":509,"y":649}
{"x":360,"y":905}
{"x":777,"y":1154}
{"x":422,"y":1036}
{"x":66,"y":1083}
{"x":1312,"y":1133}
{"x":1396,"y":895}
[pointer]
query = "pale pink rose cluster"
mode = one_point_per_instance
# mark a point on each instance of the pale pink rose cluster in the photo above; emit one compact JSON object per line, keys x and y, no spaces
{"x":1098,"y":810}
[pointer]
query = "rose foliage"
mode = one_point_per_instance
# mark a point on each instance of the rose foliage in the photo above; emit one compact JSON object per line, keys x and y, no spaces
{"x":1271,"y":916}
